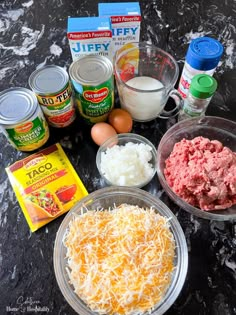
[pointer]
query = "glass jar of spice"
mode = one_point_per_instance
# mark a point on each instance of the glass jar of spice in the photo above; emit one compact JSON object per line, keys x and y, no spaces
{"x":201,"y":90}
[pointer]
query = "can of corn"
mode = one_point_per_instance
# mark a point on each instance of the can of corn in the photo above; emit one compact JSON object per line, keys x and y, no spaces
{"x":22,"y":120}
{"x":93,"y":82}
{"x":54,"y":93}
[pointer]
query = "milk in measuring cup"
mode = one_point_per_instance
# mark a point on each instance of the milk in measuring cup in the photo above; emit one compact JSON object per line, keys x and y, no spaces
{"x":90,"y":35}
{"x":125,"y":19}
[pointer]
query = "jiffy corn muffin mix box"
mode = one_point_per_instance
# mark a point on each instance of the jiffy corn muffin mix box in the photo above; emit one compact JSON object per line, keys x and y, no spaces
{"x":89,"y":35}
{"x":125,"y":21}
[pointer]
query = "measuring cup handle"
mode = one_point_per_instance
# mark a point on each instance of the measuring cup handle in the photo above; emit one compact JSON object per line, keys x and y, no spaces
{"x":179,"y":104}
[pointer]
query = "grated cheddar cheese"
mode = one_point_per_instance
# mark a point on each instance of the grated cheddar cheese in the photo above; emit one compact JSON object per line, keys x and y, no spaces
{"x":121,"y":260}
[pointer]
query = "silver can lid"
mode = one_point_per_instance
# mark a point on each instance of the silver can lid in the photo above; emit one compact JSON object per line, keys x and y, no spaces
{"x":91,"y":70}
{"x":48,"y":80}
{"x":17,"y":105}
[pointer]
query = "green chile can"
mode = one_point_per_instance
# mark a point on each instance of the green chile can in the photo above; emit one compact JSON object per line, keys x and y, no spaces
{"x":93,"y":81}
{"x":22,"y":120}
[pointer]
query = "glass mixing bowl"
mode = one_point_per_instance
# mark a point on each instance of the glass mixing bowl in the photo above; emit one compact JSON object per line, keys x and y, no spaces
{"x":105,"y":198}
{"x":214,"y":128}
{"x":136,"y":166}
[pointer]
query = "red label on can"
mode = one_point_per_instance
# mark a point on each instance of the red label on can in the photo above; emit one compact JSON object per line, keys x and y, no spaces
{"x":62,"y":120}
{"x":96,"y":96}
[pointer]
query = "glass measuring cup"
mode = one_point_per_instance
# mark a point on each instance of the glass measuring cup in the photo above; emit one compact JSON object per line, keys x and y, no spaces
{"x":145,"y":77}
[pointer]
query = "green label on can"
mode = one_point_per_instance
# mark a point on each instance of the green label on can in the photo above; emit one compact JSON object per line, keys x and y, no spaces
{"x":95,"y":103}
{"x":29,"y":135}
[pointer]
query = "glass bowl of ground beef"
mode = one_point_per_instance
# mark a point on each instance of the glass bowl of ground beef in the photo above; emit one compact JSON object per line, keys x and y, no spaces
{"x":196,"y":165}
{"x":120,"y":250}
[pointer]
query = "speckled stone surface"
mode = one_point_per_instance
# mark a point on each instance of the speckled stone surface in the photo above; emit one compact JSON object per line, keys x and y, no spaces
{"x":33,"y":34}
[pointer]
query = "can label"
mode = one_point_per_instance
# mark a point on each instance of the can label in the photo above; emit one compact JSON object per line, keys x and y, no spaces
{"x":95,"y":103}
{"x":58,"y":108}
{"x":29,"y":135}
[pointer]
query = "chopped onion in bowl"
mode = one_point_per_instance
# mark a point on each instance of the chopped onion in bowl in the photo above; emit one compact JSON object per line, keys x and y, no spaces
{"x":127,"y":165}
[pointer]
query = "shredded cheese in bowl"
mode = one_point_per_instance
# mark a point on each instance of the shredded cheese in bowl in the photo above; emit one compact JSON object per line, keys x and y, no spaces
{"x":120,"y":260}
{"x":129,"y":259}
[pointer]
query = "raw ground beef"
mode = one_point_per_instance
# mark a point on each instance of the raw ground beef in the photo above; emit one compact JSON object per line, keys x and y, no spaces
{"x":203,"y":173}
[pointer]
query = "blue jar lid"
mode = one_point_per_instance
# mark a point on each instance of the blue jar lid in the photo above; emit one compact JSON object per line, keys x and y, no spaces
{"x":204,"y":53}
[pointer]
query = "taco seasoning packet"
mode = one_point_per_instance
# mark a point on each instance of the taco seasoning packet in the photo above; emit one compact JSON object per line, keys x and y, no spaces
{"x":46,"y":185}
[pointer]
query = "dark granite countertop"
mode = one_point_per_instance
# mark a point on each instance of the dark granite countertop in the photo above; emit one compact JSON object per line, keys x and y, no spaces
{"x":33,"y":33}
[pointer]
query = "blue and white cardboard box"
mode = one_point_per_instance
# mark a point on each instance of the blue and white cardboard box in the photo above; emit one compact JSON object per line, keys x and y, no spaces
{"x":125,"y":21}
{"x":89,"y":35}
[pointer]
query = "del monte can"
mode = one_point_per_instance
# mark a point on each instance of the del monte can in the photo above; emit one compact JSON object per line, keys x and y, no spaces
{"x":22,"y":120}
{"x":92,"y":78}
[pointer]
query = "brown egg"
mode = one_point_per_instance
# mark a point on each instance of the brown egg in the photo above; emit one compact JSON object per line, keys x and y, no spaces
{"x":120,"y":120}
{"x":101,"y":131}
